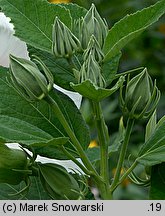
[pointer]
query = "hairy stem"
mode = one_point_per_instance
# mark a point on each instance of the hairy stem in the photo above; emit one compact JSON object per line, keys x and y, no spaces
{"x":103,"y":141}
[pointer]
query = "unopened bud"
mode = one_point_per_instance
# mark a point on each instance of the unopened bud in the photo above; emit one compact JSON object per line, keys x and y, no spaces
{"x":65,"y":42}
{"x":28,"y":80}
{"x":58,"y":183}
{"x":141,"y":96}
{"x":93,"y":24}
{"x":12,"y":161}
{"x":92,"y":71}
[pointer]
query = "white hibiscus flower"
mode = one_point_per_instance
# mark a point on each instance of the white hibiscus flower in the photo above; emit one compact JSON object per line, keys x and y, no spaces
{"x":9,"y":44}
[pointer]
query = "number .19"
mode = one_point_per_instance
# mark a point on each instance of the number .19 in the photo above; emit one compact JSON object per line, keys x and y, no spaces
{"x":155,"y":206}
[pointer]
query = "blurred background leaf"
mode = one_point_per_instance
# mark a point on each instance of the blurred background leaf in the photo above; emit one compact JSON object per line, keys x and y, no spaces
{"x":157,"y":191}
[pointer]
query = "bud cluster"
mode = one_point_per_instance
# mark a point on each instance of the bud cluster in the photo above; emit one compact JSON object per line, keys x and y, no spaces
{"x":90,"y":32}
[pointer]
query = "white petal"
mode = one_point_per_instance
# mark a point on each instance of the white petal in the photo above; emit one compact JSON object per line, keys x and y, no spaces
{"x":10,"y":44}
{"x":76,"y":97}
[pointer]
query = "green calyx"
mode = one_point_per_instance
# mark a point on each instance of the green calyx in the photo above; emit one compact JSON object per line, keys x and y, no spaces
{"x":58,"y":183}
{"x":13,"y":165}
{"x":65,"y":42}
{"x":28,"y":80}
{"x":141,"y":96}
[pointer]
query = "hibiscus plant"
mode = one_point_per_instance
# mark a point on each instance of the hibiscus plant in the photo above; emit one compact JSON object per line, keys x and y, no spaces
{"x":63,"y":52}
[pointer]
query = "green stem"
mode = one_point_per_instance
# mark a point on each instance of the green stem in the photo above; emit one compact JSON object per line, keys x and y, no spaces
{"x":71,"y":157}
{"x":103,"y":141}
{"x":123,"y":150}
{"x":125,"y":175}
{"x":72,"y":136}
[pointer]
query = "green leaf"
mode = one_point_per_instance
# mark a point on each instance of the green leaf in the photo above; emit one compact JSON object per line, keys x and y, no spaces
{"x":38,"y":119}
{"x":109,"y":69}
{"x":157,"y":191}
{"x":153,"y":151}
{"x":49,"y":149}
{"x":130,"y":27}
{"x":93,"y":154}
{"x":17,"y":130}
{"x":76,"y":11}
{"x":36,"y":191}
{"x":114,"y":147}
{"x":160,"y":122}
{"x":93,"y":92}
{"x":52,"y":143}
{"x":59,"y":67}
{"x":33,"y":20}
{"x":151,"y":125}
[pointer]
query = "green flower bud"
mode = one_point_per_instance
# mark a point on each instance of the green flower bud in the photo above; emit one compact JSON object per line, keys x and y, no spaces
{"x":94,"y":49}
{"x":28,"y":80}
{"x":65,"y":42}
{"x":93,"y":24}
{"x":12,"y":162}
{"x":92,"y":71}
{"x":58,"y":183}
{"x":141,"y":96}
